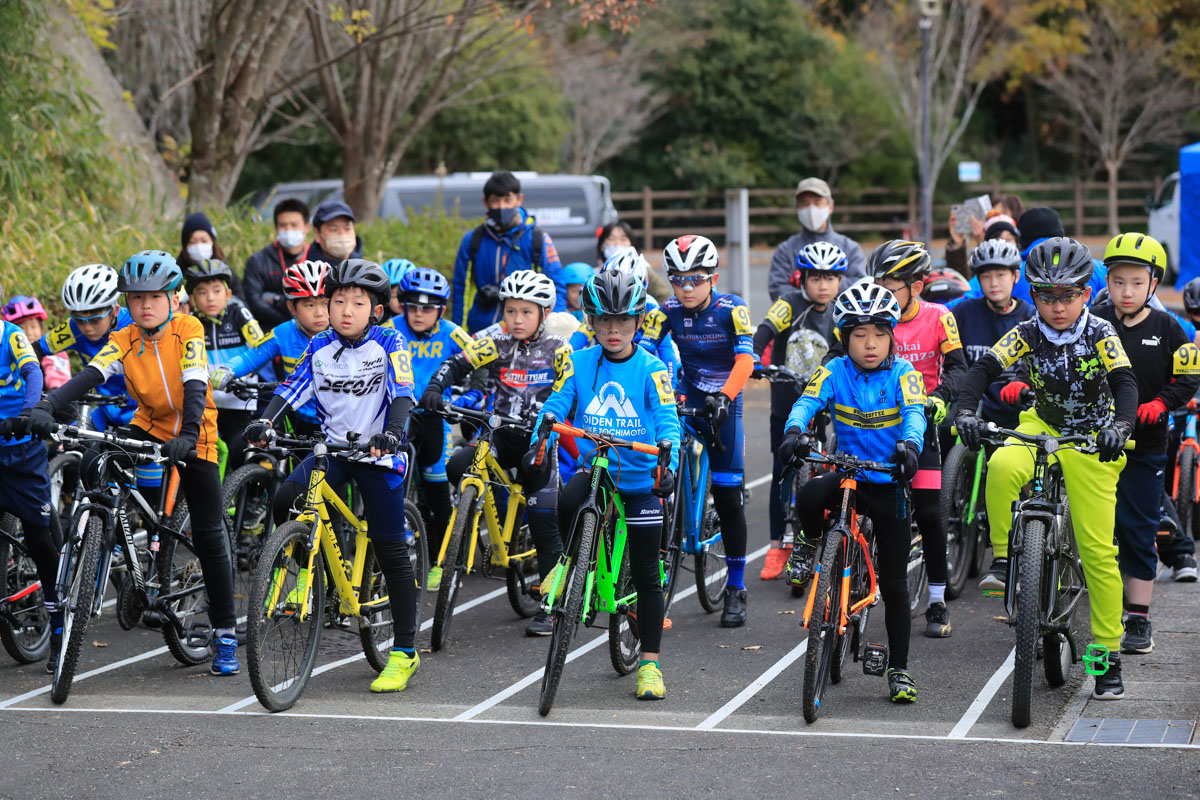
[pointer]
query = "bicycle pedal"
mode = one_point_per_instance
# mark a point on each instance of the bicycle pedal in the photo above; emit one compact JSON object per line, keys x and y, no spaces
{"x":1095,"y":660}
{"x":875,"y":659}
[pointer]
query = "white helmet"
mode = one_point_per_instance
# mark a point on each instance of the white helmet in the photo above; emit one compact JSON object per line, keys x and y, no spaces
{"x":688,"y":253}
{"x":528,"y":285}
{"x":823,"y":256}
{"x":89,"y":288}
{"x":631,"y":261}
{"x":865,"y":302}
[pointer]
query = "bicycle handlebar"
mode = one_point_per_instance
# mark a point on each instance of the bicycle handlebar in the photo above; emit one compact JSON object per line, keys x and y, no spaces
{"x":571,"y":430}
{"x":247,"y":390}
{"x":97,"y":399}
{"x":777,"y":374}
{"x":310,"y":443}
{"x":684,"y":410}
{"x":999,"y":436}
{"x":67,"y":433}
{"x":493,"y":420}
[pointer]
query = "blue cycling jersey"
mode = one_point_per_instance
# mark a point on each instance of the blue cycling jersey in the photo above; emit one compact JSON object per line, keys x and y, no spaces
{"x":631,"y":400}
{"x":286,"y":342}
{"x":428,"y":350}
{"x":871,"y":410}
{"x":20,"y":376}
{"x":586,"y":337}
{"x":709,"y":339}
{"x":67,"y":336}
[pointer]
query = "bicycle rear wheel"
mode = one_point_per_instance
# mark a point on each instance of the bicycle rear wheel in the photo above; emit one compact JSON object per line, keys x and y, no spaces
{"x":566,"y":616}
{"x":958,"y":477}
{"x":63,"y":473}
{"x":26,"y":636}
{"x":247,"y":498}
{"x":711,"y":573}
{"x":624,"y":637}
{"x":1185,"y":505}
{"x":1029,"y":593}
{"x":521,"y":575}
{"x":1058,"y":649}
{"x":465,"y":519}
{"x":181,"y":576}
{"x":823,"y":625}
{"x":80,"y":576}
{"x":918,"y":578}
{"x":281,"y":648}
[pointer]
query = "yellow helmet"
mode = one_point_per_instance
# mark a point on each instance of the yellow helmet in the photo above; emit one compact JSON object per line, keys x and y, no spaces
{"x":1137,"y":248}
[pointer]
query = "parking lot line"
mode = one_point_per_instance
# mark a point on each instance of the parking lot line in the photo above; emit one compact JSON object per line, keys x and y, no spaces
{"x":84,"y":676}
{"x":964,"y":724}
{"x":717,"y":717}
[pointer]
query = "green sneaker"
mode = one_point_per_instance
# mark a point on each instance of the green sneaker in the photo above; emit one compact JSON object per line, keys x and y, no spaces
{"x":901,"y":686}
{"x":394,"y":678}
{"x":434,"y":581}
{"x":295,"y":598}
{"x":650,"y":683}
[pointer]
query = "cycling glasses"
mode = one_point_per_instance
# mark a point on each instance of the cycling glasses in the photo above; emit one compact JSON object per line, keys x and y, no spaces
{"x":1050,"y":298}
{"x":684,"y":281}
{"x":90,"y":318}
{"x":423,"y":307}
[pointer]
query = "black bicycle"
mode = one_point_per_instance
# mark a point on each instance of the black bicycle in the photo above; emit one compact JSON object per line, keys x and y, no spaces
{"x":24,"y":620}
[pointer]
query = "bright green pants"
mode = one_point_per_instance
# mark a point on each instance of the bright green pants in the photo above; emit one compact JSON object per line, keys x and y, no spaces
{"x":1092,"y":489}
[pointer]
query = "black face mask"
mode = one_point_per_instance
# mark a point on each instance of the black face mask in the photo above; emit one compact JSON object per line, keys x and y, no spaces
{"x":502,"y":218}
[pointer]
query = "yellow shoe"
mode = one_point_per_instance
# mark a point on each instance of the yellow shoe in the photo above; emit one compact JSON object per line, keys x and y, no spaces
{"x":548,"y":582}
{"x":394,"y":678}
{"x":650,"y":683}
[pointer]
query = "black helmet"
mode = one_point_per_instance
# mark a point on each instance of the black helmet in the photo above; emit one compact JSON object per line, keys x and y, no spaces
{"x":1060,"y":261}
{"x":614,"y":292}
{"x":207,"y":269}
{"x":995,"y":254}
{"x":1191,"y":296}
{"x":900,"y":259}
{"x":362,"y":273}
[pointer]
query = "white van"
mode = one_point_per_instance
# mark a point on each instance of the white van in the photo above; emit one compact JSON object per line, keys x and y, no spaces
{"x":1164,"y":221}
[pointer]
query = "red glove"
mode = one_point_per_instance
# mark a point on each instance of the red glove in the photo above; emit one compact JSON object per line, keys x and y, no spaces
{"x":1011,"y":393}
{"x":1150,"y":413}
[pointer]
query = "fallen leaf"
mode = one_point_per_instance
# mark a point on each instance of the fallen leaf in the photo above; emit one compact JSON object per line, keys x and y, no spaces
{"x":723,"y":645}
{"x":124,"y":763}
{"x":99,"y":644}
{"x":154,"y":751}
{"x":425,"y":650}
{"x":753,"y":647}
{"x":1002,"y":619}
{"x":787,"y":611}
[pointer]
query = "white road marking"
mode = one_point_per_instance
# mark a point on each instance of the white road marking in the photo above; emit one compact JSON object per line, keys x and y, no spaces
{"x":717,"y":717}
{"x":84,"y":676}
{"x":963,"y":726}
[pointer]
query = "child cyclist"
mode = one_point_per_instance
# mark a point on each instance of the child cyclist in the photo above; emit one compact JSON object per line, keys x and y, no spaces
{"x":359,"y":374}
{"x":28,"y":315}
{"x":575,"y":275}
{"x":799,"y":328}
{"x":523,"y":364}
{"x":162,"y":358}
{"x":620,"y":390}
{"x":1167,"y":366}
{"x":713,"y":333}
{"x":90,"y":296}
{"x":396,"y":269}
{"x":876,"y":400}
{"x":1083,"y":385}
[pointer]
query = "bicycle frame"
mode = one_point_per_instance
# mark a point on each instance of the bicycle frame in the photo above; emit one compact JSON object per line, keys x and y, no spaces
{"x":1188,"y":441}
{"x":484,"y":472}
{"x":848,"y":526}
{"x":690,"y":497}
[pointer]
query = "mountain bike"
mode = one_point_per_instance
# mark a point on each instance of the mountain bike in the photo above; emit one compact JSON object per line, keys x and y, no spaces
{"x":592,"y":575}
{"x":63,"y":469}
{"x":24,"y":620}
{"x":963,"y":512}
{"x":1185,"y":489}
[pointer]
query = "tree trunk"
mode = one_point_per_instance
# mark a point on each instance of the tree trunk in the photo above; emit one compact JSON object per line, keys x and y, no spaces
{"x":1113,"y":166}
{"x":363,"y":181}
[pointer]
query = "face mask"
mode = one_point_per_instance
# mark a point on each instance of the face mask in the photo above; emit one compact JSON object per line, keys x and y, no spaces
{"x":290,"y":239}
{"x":611,"y":250}
{"x":502,"y":218}
{"x":340,"y":246}
{"x":813,"y":217}
{"x":199,"y":252}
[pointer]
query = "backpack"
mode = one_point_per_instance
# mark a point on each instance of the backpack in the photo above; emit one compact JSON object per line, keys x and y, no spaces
{"x":536,"y":250}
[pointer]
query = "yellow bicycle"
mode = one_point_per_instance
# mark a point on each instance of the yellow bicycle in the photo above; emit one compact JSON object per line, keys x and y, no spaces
{"x":509,"y":543}
{"x":287,"y":597}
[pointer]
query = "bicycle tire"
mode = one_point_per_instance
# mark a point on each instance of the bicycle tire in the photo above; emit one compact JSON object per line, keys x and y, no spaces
{"x":860,"y":584}
{"x":624,"y":637}
{"x":178,"y":569}
{"x":672,"y":556}
{"x":418,"y":554}
{"x":31,"y":643}
{"x":63,"y":475}
{"x":1029,"y":591}
{"x":565,"y":618}
{"x":82,"y":576}
{"x":958,"y":475}
{"x":822,"y":633}
{"x":1057,"y":649}
{"x":456,"y":548}
{"x":711,"y":573}
{"x":246,"y":536}
{"x":1185,"y":505}
{"x":279,"y":682}
{"x":918,"y":577}
{"x":375,"y":626}
{"x":520,"y":576}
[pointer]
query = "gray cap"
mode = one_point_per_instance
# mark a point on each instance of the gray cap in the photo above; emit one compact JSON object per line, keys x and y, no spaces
{"x":814,"y":185}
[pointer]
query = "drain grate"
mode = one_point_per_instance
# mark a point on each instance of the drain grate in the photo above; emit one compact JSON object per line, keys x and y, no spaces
{"x":1132,"y":731}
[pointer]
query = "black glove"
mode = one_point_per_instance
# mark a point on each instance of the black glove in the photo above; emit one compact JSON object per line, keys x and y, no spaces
{"x":432,"y":399}
{"x":533,"y":477}
{"x":384,"y":442}
{"x":718,"y":408}
{"x":259,"y":431}
{"x":14,"y":427}
{"x":487,"y":296}
{"x":1110,"y":440}
{"x":41,"y":419}
{"x":794,"y":448}
{"x":970,"y":428}
{"x":178,"y":449}
{"x":665,"y":484}
{"x":905,"y":461}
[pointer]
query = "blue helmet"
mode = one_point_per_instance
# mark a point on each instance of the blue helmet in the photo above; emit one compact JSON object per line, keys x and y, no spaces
{"x":150,"y":271}
{"x":822,"y":256}
{"x":577,"y":272}
{"x":425,"y":286}
{"x":396,"y":269}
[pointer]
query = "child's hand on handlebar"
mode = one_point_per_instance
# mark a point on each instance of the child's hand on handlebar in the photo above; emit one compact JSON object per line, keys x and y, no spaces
{"x":260,"y":433}
{"x":432,"y":400}
{"x":1111,"y":440}
{"x":970,"y":429}
{"x":905,"y":459}
{"x":717,"y":406}
{"x":472,"y":398}
{"x":795,"y":447}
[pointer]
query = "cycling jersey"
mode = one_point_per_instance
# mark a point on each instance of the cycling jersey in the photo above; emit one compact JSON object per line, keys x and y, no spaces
{"x":980,"y":327}
{"x":67,"y":336}
{"x":286,"y":342}
{"x":871,"y":410}
{"x":586,"y":337}
{"x":20,"y":376}
{"x":430,"y":349}
{"x":709,"y":339}
{"x":801,"y":334}
{"x":926,"y":338}
{"x":233,"y":333}
{"x":520,"y":374}
{"x":631,"y":400}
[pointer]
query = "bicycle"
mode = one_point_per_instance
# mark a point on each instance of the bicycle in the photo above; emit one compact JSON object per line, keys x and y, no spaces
{"x":287,"y":596}
{"x":845,"y":586}
{"x":509,"y":542}
{"x":24,"y":621}
{"x":592,"y":575}
{"x":964,"y":515}
{"x":1185,"y":489}
{"x":101,"y":533}
{"x":63,"y":469}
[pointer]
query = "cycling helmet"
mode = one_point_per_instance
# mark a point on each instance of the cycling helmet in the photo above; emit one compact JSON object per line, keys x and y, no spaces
{"x":425,"y":286}
{"x":206,"y":270}
{"x":614,"y":292}
{"x":690,"y":252}
{"x":1059,"y":261}
{"x":821,"y":256}
{"x":899,"y":259}
{"x":995,"y":254}
{"x":528,"y":285}
{"x":396,"y":269}
{"x":1102,"y":298}
{"x":22,"y":307}
{"x":1191,"y":296}
{"x":150,"y":271}
{"x":91,"y":287}
{"x":1137,"y":248}
{"x":362,"y":273}
{"x":305,"y":279}
{"x":577,"y":272}
{"x":865,"y":303}
{"x":944,"y":285}
{"x":631,"y":261}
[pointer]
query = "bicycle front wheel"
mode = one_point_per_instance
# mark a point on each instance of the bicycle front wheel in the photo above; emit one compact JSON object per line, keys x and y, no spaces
{"x":281,"y":643}
{"x":28,"y":639}
{"x":1029,"y":593}
{"x":1058,"y":649}
{"x":455,"y":568}
{"x":711,"y":573}
{"x":672,"y":556}
{"x":918,"y":578}
{"x":1185,"y":505}
{"x":80,"y":579}
{"x":566,"y":616}
{"x":63,"y":473}
{"x":958,"y":477}
{"x":823,"y":626}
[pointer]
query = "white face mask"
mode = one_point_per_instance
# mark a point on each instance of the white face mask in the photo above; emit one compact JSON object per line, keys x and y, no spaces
{"x":611,"y":250}
{"x":813,"y":217}
{"x":290,"y":239}
{"x":340,"y":246}
{"x":199,"y":252}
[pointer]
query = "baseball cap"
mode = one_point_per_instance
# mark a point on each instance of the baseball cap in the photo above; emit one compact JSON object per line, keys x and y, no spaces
{"x":331,"y":209}
{"x":816,"y":186}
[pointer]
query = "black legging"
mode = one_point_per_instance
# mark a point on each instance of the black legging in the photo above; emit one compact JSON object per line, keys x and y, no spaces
{"x":925,"y":511}
{"x":427,"y":435}
{"x":231,"y":427}
{"x":878,"y":502}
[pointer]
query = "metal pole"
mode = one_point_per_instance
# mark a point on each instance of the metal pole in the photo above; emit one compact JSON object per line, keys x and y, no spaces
{"x":926,"y":177}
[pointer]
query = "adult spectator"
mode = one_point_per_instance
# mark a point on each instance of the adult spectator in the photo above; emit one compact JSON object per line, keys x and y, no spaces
{"x":615,"y":237}
{"x":1009,"y":206}
{"x":264,"y":269}
{"x":814,"y":208}
{"x":333,"y":232}
{"x":198,"y":241}
{"x":508,"y":241}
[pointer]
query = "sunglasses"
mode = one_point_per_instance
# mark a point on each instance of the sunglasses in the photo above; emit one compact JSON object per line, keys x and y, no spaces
{"x":684,"y":281}
{"x":1066,"y":298}
{"x":423,"y":307}
{"x":91,"y":317}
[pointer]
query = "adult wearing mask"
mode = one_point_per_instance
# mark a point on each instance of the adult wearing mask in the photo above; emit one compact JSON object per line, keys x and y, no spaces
{"x":1007,"y":207}
{"x":508,"y":241}
{"x":198,"y":241}
{"x":333,"y":231}
{"x":617,"y":236}
{"x":264,"y":269}
{"x":814,"y":208}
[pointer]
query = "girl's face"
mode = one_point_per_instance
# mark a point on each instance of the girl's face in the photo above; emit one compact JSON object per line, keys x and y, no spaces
{"x":200,"y":237}
{"x":692,"y":288}
{"x":311,"y":313}
{"x":522,"y":318}
{"x":33,"y":328}
{"x":151,"y":309}
{"x":822,"y":287}
{"x":997,"y":285}
{"x":868,"y":346}
{"x":350,"y":311}
{"x":95,"y":324}
{"x":210,"y":297}
{"x":617,"y":238}
{"x":615,"y":333}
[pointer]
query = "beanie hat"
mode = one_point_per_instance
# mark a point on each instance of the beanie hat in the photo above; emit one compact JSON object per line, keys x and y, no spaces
{"x":196,"y":222}
{"x":1039,"y":222}
{"x":998,"y":225}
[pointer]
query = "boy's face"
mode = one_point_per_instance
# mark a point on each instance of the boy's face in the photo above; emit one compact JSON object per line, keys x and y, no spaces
{"x":1061,"y":306}
{"x":522,"y":318}
{"x":151,"y":309}
{"x":868,"y":346}
{"x":821,"y":287}
{"x":510,"y":200}
{"x":905,"y":292}
{"x":394,"y":304}
{"x":422,"y":317}
{"x":615,"y":332}
{"x":573,"y":292}
{"x":692,"y":289}
{"x":32,"y":327}
{"x":997,"y":285}
{"x":210,"y":297}
{"x":1129,"y":287}
{"x":95,"y":324}
{"x":311,"y":313}
{"x":350,"y":311}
